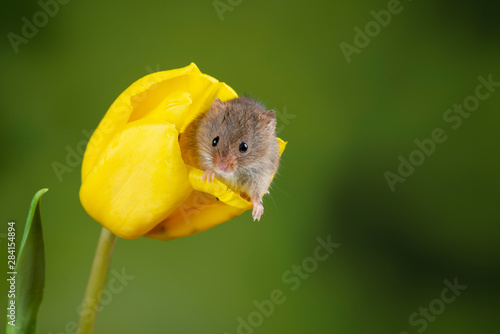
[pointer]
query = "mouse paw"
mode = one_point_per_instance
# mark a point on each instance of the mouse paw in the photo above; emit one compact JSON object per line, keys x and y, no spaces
{"x":258,"y":210}
{"x":209,"y":175}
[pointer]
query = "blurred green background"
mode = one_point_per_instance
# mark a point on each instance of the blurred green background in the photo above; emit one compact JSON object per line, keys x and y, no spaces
{"x":346,"y":123}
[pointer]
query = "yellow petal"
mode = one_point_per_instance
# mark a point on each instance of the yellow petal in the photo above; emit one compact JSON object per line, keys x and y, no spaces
{"x":138,"y":180}
{"x":210,"y":204}
{"x":199,"y":212}
{"x":175,"y":96}
{"x":282,"y":145}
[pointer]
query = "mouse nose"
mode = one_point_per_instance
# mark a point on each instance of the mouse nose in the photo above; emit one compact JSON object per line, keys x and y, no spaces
{"x":223,"y":166}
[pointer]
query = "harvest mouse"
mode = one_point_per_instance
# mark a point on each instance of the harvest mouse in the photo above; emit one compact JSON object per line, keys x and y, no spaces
{"x":235,"y":141}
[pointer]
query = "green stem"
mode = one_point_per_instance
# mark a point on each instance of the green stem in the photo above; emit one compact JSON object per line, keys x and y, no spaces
{"x":97,"y":282}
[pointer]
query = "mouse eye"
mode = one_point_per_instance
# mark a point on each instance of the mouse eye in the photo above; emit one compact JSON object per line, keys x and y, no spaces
{"x":243,"y":147}
{"x":215,"y":141}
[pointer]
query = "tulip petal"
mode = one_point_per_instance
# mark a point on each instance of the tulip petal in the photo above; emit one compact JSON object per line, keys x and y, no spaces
{"x":138,"y":180}
{"x":210,"y":204}
{"x":175,"y":96}
{"x":198,"y":213}
{"x":282,"y":145}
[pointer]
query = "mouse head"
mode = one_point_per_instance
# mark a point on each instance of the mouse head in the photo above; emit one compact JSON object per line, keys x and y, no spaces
{"x":235,"y":135}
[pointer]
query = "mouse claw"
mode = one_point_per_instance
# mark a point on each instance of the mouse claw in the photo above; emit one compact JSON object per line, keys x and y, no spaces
{"x":209,"y":175}
{"x":258,"y":210}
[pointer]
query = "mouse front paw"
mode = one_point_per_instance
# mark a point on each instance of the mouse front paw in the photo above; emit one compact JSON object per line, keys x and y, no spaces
{"x":258,"y":210}
{"x":209,"y":175}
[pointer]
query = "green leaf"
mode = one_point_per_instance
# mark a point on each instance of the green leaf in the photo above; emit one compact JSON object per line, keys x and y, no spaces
{"x":29,"y":273}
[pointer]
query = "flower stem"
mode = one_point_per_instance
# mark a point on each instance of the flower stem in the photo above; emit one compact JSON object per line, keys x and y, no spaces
{"x":97,"y":281}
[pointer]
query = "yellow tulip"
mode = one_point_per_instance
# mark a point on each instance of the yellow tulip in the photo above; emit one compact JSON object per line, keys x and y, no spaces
{"x":134,"y":181}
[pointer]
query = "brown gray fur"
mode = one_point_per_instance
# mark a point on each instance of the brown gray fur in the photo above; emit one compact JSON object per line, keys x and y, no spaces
{"x":237,"y":121}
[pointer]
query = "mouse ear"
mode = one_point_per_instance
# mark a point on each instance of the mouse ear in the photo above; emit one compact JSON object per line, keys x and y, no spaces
{"x":270,"y":113}
{"x":270,"y":117}
{"x":217,"y":105}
